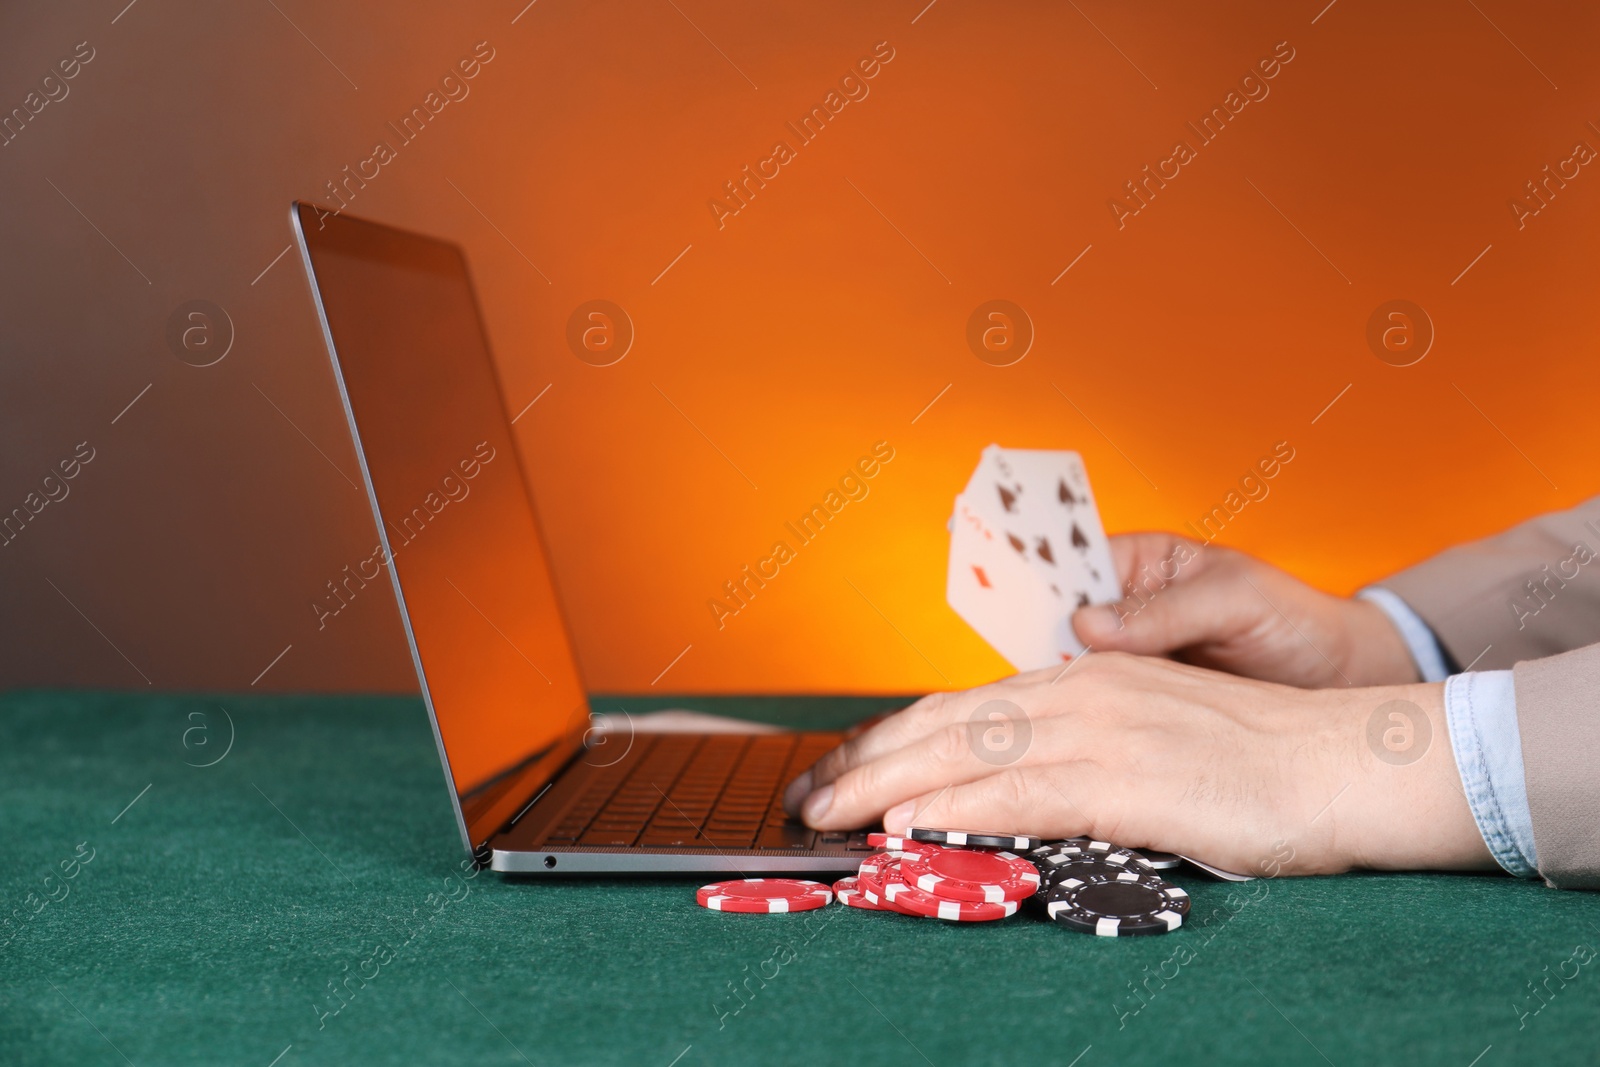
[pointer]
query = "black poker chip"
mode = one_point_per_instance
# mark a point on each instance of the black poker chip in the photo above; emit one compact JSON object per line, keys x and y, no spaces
{"x":1156,"y":861}
{"x":976,"y":839}
{"x":1121,"y":905}
{"x":1053,"y":869}
{"x":1058,"y":853}
{"x":1050,"y":846}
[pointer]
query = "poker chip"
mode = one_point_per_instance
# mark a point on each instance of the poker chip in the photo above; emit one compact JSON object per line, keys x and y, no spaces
{"x":1158,"y":861}
{"x":870,"y":880}
{"x":1128,"y":903}
{"x":1056,"y":855}
{"x":882,"y":859}
{"x":899,"y":844}
{"x":869,"y":871}
{"x":871,"y":868}
{"x":975,"y":839}
{"x":971,"y":874}
{"x":1086,"y":885}
{"x":913,"y":901}
{"x":764,"y":896}
{"x":1161,"y":861}
{"x":887,"y":840}
{"x":848,"y":892}
{"x":870,"y":877}
{"x":1116,"y":855}
{"x":1080,"y":868}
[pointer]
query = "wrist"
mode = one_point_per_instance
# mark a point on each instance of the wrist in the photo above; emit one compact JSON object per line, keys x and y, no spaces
{"x":1402,"y":805}
{"x":1376,"y":652}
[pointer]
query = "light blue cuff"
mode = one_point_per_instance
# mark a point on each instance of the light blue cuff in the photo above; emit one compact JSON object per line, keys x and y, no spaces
{"x":1481,"y":708}
{"x":1425,"y":650}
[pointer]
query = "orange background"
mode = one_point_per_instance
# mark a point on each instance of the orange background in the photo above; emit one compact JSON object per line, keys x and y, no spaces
{"x":815,"y":323}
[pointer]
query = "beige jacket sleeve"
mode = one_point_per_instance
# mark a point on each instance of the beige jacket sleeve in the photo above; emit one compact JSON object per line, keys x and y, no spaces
{"x":1529,"y":599}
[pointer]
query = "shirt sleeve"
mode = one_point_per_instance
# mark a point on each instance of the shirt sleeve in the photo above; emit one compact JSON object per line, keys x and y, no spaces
{"x":1481,"y":708}
{"x":1481,"y":711}
{"x":1425,"y":649}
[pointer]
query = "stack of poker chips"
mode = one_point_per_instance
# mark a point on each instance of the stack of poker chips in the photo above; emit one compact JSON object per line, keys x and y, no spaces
{"x":967,"y":876}
{"x":1095,"y":887}
{"x":953,"y":878}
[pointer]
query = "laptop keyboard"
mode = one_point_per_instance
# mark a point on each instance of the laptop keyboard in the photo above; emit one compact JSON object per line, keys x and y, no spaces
{"x":694,"y":791}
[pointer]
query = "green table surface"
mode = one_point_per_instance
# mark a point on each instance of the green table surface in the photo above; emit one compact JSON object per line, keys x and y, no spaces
{"x":220,"y":909}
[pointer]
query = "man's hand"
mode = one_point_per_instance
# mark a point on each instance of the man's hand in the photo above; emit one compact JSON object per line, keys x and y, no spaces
{"x":1149,"y":753}
{"x":1217,"y":607}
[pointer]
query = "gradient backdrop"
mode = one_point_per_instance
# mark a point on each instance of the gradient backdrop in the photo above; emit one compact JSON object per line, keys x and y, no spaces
{"x":776,"y":346}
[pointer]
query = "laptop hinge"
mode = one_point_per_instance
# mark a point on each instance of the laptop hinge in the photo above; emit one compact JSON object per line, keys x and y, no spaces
{"x":532,"y":780}
{"x":534,"y":800}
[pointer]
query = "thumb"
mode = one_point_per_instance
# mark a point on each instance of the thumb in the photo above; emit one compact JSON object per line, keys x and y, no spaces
{"x":1162,"y":620}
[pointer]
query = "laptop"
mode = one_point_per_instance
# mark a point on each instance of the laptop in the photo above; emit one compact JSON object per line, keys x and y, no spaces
{"x":536,"y":788}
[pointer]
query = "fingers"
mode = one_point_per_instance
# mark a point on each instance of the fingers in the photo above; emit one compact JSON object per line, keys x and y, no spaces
{"x":1171,"y":609}
{"x":1138,"y":555}
{"x":1146,"y":563}
{"x":903,"y":728}
{"x":943,"y":758}
{"x":1023,"y":800}
{"x":883,"y":765}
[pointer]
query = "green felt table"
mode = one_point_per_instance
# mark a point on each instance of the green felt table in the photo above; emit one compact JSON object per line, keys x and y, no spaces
{"x":220,"y":908}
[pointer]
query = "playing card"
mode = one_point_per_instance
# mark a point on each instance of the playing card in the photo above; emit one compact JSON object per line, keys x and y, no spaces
{"x":1057,"y":508}
{"x":1040,"y":501}
{"x":1037,"y":508}
{"x":995,"y":488}
{"x":998,"y":594}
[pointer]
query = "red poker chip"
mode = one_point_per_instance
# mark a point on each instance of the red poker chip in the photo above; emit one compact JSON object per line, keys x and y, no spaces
{"x":980,"y":875}
{"x":913,"y":901}
{"x":878,"y":860}
{"x":871,"y":881}
{"x":764,"y":896}
{"x":872,"y":867}
{"x":848,"y":892}
{"x":900,"y":844}
{"x":869,"y":877}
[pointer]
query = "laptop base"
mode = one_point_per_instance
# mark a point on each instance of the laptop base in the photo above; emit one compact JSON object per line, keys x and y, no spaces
{"x":676,"y":804}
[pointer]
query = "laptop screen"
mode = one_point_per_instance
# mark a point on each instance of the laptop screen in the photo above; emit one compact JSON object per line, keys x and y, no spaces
{"x":459,"y":533}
